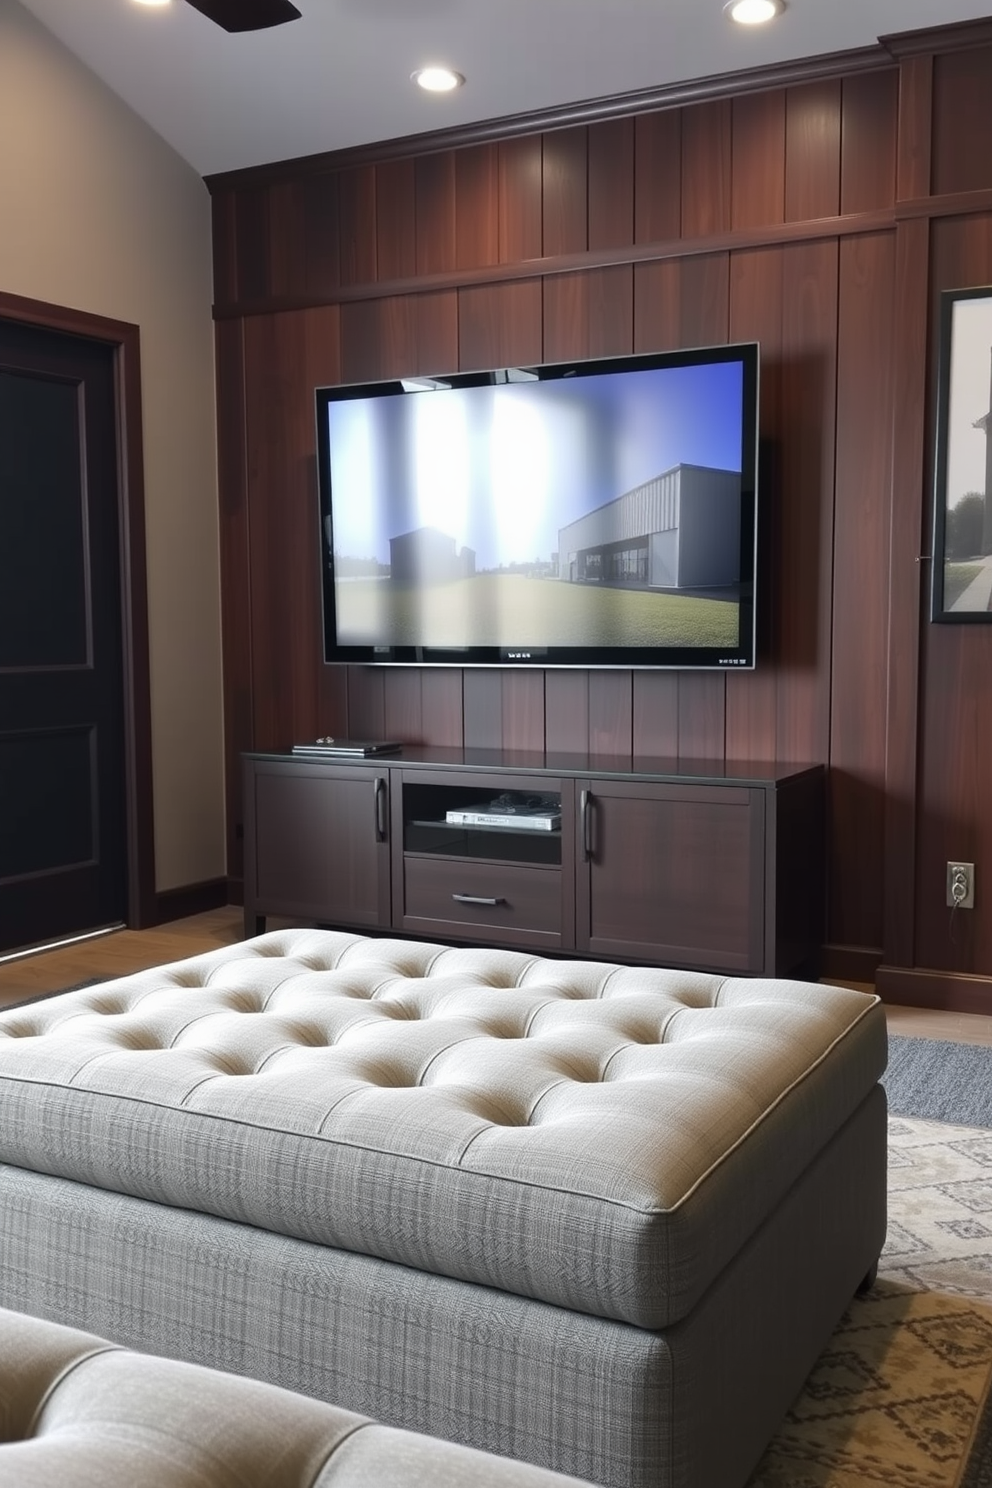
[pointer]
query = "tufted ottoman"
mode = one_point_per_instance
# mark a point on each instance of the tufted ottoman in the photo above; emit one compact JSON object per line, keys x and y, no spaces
{"x":596,"y":1217}
{"x":78,"y":1412}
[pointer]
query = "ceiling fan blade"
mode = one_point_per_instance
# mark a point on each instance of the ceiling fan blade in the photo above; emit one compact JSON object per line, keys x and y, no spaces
{"x":246,"y":15}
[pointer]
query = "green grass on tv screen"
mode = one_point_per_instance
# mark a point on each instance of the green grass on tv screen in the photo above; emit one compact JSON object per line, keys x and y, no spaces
{"x":508,"y":610}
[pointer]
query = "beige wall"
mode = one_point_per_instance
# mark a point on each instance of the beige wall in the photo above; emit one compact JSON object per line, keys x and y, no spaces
{"x":99,"y":214}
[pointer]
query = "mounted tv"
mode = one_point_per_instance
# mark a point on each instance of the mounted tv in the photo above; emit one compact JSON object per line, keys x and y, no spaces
{"x":583,"y":514}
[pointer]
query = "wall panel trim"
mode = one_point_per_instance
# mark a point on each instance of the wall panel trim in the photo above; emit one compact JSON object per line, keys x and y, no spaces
{"x":667,"y":96}
{"x":959,"y":204}
{"x":776,"y":235}
{"x":947,"y":990}
{"x":958,"y":36}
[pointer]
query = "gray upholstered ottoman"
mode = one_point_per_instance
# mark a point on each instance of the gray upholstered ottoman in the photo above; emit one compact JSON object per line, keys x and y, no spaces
{"x":78,"y":1412}
{"x":599,"y":1218}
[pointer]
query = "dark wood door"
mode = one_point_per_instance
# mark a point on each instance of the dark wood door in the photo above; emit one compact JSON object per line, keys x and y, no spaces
{"x":316,"y":844}
{"x":63,"y":835}
{"x":671,"y":874}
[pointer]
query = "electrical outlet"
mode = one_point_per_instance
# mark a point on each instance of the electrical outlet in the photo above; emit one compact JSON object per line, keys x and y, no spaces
{"x":961,"y":885}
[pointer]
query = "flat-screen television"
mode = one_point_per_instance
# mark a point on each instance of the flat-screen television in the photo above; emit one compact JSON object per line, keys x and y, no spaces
{"x":582,"y":514}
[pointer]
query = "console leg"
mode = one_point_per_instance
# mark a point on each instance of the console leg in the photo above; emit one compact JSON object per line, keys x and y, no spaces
{"x":868,"y":1280}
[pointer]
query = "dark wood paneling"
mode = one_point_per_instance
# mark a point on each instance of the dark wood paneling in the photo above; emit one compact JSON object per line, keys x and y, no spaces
{"x":658,"y":305}
{"x":868,"y":156}
{"x":436,"y":237}
{"x":251,"y":226}
{"x":403,"y":704}
{"x":443,"y":707}
{"x":707,"y":153}
{"x":285,"y":357}
{"x":482,"y":691}
{"x":611,"y":713}
{"x":588,"y":314}
{"x":565,"y":191}
{"x":955,"y":782}
{"x":362,"y":358}
{"x":813,"y":151}
{"x":656,"y":714}
{"x":907,"y":577}
{"x":235,"y":575}
{"x":962,"y":121}
{"x":807,"y":513}
{"x":702,"y":716}
{"x":704,"y":315}
{"x":500,"y":326}
{"x":658,"y":176}
{"x":477,"y":173}
{"x":758,"y":178}
{"x":526,"y":233}
{"x":224,"y":230}
{"x":357,"y":242}
{"x":395,"y":219}
{"x":957,"y":824}
{"x":756,"y":291}
{"x":523,"y":710}
{"x":611,"y":183}
{"x":704,"y":300}
{"x":287,"y":249}
{"x":914,"y":141}
{"x":367,"y":702}
{"x":521,"y":230}
{"x":567,"y":709}
{"x":321,"y":216}
{"x":404,"y":335}
{"x":865,"y":401}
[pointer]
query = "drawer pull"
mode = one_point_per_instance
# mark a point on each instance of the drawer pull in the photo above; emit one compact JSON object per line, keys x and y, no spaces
{"x":477,"y":899}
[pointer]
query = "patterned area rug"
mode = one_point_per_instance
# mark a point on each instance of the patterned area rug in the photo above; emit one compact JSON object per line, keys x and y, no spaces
{"x":901,"y":1396}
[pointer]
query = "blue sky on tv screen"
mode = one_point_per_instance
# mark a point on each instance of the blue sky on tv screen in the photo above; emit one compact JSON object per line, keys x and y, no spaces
{"x":502,"y":468}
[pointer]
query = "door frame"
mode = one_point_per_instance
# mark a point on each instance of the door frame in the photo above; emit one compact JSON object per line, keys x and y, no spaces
{"x":124,"y":339}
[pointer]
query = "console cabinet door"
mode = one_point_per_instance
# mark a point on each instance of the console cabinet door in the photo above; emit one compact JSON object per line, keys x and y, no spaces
{"x":316,"y":844}
{"x":672,"y":875}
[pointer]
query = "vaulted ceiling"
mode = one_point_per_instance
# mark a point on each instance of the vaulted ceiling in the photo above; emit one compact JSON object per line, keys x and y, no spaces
{"x":341,"y":74}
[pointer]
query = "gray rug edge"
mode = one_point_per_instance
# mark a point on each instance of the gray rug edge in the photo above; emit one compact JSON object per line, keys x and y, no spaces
{"x":939,"y":1080}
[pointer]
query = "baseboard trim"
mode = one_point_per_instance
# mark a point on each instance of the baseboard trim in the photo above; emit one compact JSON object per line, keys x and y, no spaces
{"x":191,"y":899}
{"x":946,"y":991}
{"x":843,"y":963}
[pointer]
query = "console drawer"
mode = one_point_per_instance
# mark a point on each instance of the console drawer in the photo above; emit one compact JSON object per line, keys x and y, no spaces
{"x":483,"y":901}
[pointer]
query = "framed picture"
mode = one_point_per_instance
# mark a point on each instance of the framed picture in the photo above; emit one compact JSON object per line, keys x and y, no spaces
{"x":962,"y":528}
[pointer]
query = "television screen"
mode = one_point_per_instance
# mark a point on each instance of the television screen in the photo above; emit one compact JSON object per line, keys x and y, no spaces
{"x":595,"y":513}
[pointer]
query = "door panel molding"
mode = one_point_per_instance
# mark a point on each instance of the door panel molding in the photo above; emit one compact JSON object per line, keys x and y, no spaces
{"x":123,"y":338}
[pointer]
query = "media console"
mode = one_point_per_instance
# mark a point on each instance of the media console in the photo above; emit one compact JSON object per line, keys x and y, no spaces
{"x":717,"y":867}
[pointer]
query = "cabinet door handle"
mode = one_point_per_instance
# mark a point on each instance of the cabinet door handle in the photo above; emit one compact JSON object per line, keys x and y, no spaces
{"x":585,"y":820}
{"x":477,"y":899}
{"x":379,"y":789}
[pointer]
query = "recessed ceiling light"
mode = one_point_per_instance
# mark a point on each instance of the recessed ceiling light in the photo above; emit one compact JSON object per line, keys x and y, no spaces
{"x":153,"y":2}
{"x":753,"y":12}
{"x":438,"y":79}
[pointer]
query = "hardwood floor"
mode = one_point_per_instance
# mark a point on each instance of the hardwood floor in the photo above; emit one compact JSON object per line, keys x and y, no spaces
{"x":117,"y":954}
{"x":123,"y":951}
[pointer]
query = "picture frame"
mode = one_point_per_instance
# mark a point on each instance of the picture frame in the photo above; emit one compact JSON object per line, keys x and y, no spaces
{"x":961,"y":588}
